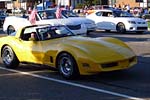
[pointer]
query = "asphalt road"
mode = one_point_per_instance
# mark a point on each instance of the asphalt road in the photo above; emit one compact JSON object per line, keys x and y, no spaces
{"x":30,"y":82}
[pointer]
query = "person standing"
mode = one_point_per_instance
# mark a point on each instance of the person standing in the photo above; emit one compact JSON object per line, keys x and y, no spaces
{"x":128,"y":8}
{"x":58,"y":11}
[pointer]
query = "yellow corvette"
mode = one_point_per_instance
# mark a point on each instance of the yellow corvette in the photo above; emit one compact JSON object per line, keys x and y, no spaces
{"x":58,"y":47}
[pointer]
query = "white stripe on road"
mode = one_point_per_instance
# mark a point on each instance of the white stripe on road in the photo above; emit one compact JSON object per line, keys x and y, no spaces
{"x":74,"y":84}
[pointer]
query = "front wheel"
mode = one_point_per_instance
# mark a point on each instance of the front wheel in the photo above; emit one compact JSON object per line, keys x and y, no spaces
{"x":88,"y":32}
{"x":67,"y":66}
{"x":140,"y":32}
{"x":9,"y":58}
{"x":107,"y":30}
{"x":121,"y":28}
{"x":10,"y":30}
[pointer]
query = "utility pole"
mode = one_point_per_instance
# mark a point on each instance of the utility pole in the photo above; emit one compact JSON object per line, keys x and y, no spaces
{"x":100,"y":2}
{"x":43,"y":4}
{"x":147,"y":3}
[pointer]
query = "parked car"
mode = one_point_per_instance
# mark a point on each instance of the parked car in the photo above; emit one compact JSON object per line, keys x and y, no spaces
{"x":58,"y":47}
{"x":13,"y":23}
{"x":118,"y":20}
{"x":3,"y":15}
{"x":18,"y":10}
{"x":92,"y":9}
{"x":146,"y":17}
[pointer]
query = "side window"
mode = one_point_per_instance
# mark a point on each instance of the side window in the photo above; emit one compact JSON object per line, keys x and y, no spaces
{"x":26,"y":34}
{"x":109,"y":14}
{"x":51,"y":15}
{"x":105,"y":14}
{"x":99,"y":14}
{"x":37,"y":19}
{"x":43,"y":33}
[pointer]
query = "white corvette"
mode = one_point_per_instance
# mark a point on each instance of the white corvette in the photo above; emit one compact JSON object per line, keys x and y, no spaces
{"x":13,"y":23}
{"x":118,"y":20}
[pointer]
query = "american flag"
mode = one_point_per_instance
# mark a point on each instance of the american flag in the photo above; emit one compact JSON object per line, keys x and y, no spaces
{"x":32,"y":16}
{"x":58,"y":12}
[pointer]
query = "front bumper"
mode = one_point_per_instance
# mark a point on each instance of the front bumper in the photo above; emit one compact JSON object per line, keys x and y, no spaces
{"x":94,"y":68}
{"x":137,"y":27}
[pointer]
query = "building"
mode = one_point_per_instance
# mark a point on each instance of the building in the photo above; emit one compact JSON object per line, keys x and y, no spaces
{"x":3,"y":3}
{"x":74,"y":3}
{"x":134,"y":3}
{"x":24,"y":3}
{"x":9,"y":4}
{"x":30,"y":3}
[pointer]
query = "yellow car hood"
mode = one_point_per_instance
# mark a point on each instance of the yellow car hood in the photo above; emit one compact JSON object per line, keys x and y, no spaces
{"x":99,"y":49}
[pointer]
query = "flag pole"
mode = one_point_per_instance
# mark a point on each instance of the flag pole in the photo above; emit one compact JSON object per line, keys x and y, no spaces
{"x":43,"y":4}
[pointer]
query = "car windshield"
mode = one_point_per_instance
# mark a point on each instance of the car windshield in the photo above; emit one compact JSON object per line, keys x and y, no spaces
{"x":47,"y":14}
{"x":68,"y":13}
{"x":49,"y":32}
{"x":122,"y":14}
{"x":50,"y":14}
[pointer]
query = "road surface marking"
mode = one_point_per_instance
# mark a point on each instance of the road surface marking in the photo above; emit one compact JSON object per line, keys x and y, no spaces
{"x":74,"y":84}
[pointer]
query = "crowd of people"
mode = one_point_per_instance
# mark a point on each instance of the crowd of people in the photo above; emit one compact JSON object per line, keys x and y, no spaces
{"x":136,"y":11}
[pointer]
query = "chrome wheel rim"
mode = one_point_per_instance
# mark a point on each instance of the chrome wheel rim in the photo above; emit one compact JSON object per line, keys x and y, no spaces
{"x":121,"y":28}
{"x":66,"y":66}
{"x":7,"y":56}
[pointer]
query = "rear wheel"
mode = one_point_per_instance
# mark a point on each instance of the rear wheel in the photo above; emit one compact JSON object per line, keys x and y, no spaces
{"x":121,"y":28}
{"x":9,"y":58}
{"x":67,"y":66}
{"x":10,"y":30}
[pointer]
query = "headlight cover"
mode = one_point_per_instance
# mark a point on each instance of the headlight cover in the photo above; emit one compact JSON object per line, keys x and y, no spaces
{"x":132,"y":22}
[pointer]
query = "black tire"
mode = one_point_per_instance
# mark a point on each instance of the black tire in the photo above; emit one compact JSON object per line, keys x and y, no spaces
{"x":67,"y":66}
{"x":1,"y":24}
{"x":88,"y":32}
{"x":107,"y":30}
{"x":140,"y":32}
{"x":9,"y":58}
{"x":121,"y":28}
{"x":10,"y":30}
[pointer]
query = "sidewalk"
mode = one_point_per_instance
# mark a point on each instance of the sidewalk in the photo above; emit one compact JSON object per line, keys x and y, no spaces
{"x":2,"y":35}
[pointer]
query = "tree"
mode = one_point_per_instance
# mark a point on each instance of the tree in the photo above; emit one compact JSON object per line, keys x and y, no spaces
{"x":88,"y":2}
{"x":92,"y":2}
{"x":96,"y":2}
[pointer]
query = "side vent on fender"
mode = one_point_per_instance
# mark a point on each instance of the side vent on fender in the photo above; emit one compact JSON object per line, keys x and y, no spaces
{"x":51,"y":59}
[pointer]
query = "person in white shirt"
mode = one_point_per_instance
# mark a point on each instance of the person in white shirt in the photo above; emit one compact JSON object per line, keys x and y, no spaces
{"x":128,"y":8}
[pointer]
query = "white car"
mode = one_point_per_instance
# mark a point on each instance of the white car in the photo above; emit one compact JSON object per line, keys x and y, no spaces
{"x":17,"y":10}
{"x":120,"y":21}
{"x":67,"y":14}
{"x":13,"y":23}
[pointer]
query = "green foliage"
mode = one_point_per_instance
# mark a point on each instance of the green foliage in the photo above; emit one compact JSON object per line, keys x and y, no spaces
{"x":91,"y":2}
{"x":95,"y":2}
{"x":88,"y":2}
{"x":148,"y":24}
{"x":79,"y":6}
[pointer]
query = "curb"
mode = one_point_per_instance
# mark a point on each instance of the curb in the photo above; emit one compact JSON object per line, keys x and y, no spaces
{"x":2,"y":35}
